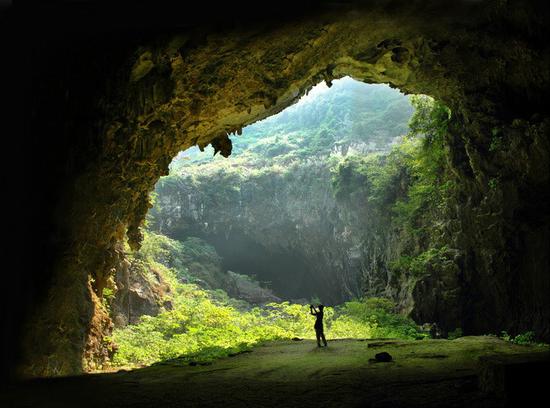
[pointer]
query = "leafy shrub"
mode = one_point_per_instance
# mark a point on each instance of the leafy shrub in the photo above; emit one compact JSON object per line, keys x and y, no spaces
{"x":528,"y":337}
{"x":202,"y":326}
{"x":379,"y":315}
{"x":525,"y":338}
{"x":419,"y":265}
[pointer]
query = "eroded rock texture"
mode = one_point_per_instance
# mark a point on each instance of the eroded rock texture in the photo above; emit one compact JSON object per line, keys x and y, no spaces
{"x":140,"y":290}
{"x":285,"y":229}
{"x":124,"y":107}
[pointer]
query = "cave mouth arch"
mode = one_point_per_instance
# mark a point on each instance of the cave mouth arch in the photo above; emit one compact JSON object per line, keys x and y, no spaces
{"x":195,"y":87}
{"x":270,"y":210}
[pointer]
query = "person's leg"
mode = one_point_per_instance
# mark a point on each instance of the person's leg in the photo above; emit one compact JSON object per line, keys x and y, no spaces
{"x":318,"y":335}
{"x":324,"y":339}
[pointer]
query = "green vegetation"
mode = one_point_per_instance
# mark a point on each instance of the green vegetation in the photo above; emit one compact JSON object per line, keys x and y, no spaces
{"x":202,"y":327}
{"x":419,"y":264}
{"x":527,"y":338}
{"x":455,"y":334}
{"x":349,"y":117}
{"x":406,"y":190}
{"x":191,"y":260}
{"x":206,"y":324}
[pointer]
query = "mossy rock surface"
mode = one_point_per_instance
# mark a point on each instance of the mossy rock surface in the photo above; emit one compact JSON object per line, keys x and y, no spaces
{"x":289,"y":373}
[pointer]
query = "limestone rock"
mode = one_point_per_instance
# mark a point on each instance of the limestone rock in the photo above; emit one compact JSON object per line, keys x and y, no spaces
{"x":141,"y":290}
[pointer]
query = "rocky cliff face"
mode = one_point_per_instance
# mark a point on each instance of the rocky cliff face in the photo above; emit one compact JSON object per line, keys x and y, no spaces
{"x":145,"y":281}
{"x":270,"y":209}
{"x":115,"y":112}
{"x":140,"y":290}
{"x":285,"y":227}
{"x":244,"y":288}
{"x":469,"y":229}
{"x":499,"y":222}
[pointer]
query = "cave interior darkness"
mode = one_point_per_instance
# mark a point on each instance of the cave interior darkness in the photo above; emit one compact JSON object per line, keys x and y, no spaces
{"x":104,"y":97}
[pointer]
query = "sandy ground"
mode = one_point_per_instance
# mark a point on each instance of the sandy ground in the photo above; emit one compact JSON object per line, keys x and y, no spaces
{"x":424,"y":373}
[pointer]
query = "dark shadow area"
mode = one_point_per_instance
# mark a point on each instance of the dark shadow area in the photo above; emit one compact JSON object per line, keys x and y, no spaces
{"x":287,"y":274}
{"x":58,"y":58}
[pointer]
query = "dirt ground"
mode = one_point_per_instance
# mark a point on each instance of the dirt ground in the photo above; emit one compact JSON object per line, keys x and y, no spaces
{"x":424,"y":373}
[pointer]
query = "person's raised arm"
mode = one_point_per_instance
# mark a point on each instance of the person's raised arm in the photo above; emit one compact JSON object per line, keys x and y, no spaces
{"x":312,"y":310}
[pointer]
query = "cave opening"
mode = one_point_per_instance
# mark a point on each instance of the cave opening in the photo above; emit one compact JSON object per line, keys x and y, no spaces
{"x":467,"y":207}
{"x":270,"y":209}
{"x":277,"y":226}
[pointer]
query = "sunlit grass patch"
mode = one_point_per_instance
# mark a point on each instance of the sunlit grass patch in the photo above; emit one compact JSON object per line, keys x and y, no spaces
{"x":202,"y":326}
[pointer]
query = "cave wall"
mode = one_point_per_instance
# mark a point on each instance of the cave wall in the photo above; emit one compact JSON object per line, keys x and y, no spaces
{"x":101,"y":112}
{"x":284,"y":228}
{"x":139,"y":289}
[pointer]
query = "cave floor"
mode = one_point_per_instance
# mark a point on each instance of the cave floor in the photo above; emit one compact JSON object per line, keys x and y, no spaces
{"x":427,"y":373}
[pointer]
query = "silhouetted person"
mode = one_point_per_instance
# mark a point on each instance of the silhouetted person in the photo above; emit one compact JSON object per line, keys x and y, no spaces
{"x":319,"y":332}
